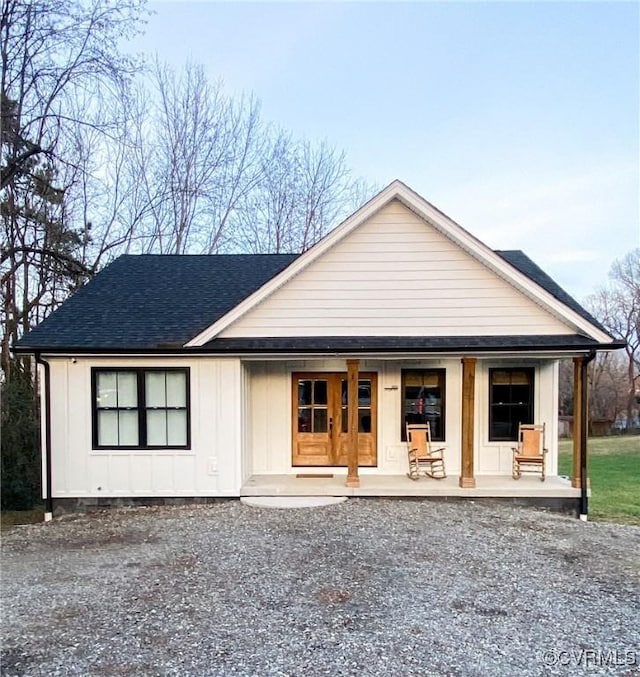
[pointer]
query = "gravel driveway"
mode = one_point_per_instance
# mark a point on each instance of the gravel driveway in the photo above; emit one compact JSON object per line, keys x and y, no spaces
{"x":367,"y":587}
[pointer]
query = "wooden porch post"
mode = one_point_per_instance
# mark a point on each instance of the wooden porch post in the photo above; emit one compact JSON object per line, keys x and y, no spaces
{"x":584,"y":432}
{"x":467,"y":479}
{"x":352,"y":408}
{"x":578,"y":413}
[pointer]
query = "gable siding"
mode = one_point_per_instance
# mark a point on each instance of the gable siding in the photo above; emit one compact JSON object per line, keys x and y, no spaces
{"x":395,"y":275}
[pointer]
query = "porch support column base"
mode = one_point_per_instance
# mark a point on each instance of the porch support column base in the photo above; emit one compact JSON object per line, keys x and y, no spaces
{"x":467,"y":482}
{"x":352,"y":414}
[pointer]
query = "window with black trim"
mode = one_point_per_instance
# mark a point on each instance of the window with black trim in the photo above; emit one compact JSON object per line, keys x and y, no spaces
{"x":510,"y":402}
{"x":140,"y":408}
{"x":423,"y":400}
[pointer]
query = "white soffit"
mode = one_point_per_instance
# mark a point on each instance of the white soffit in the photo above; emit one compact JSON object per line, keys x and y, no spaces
{"x":442,"y":223}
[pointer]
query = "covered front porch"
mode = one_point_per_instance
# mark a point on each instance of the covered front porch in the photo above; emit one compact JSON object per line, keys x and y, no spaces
{"x":476,"y":465}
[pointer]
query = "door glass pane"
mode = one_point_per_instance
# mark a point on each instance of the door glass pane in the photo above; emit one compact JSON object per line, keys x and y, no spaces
{"x":320,"y":392}
{"x":106,"y":390}
{"x":128,"y":428}
{"x":177,"y":428}
{"x":155,"y":388}
{"x":364,"y":393}
{"x":108,"y":428}
{"x":305,"y":393}
{"x":127,"y":389}
{"x":320,"y":421}
{"x":364,"y":420}
{"x":157,"y":427}
{"x":364,"y":400}
{"x":304,"y":420}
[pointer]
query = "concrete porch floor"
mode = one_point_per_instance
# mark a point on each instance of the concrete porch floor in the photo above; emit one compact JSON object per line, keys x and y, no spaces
{"x":487,"y":486}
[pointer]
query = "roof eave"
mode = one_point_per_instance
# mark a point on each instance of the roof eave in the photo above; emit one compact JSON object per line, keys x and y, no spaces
{"x":326,"y":350}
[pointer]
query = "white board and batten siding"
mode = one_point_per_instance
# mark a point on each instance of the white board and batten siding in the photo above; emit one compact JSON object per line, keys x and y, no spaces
{"x":269,"y":414}
{"x":396,"y":275}
{"x":212,"y":467}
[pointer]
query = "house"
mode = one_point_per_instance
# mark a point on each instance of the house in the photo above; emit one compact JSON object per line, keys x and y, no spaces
{"x":197,"y":377}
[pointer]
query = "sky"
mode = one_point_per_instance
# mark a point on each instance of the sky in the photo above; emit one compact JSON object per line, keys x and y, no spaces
{"x":518,"y":120}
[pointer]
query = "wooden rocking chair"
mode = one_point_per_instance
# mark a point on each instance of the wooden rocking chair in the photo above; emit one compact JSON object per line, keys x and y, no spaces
{"x":530,"y":454}
{"x":422,"y":457}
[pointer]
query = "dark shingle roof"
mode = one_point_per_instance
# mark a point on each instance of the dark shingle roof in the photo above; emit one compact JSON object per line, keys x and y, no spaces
{"x":526,"y":266}
{"x":160,"y":302}
{"x":151,"y":301}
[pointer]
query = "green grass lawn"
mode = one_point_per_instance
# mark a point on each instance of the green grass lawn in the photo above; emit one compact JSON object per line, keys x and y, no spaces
{"x":614,"y":471}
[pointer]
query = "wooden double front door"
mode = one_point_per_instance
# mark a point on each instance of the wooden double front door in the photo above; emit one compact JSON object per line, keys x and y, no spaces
{"x":320,"y":419}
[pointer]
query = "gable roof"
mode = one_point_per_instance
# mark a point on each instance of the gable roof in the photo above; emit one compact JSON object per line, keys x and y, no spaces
{"x":576,"y":321}
{"x":153,"y":301}
{"x":161,"y":302}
